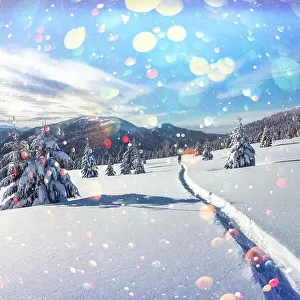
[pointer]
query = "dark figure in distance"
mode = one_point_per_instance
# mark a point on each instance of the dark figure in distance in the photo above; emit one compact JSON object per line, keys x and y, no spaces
{"x":179,"y":158}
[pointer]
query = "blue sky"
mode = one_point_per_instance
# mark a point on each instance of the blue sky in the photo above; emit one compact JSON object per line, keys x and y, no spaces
{"x":250,"y":50}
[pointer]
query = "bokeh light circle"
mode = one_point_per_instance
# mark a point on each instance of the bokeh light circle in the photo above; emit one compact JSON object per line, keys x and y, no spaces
{"x":152,"y":73}
{"x":152,"y":121}
{"x":246,"y":92}
{"x":125,"y":139}
{"x":109,"y":93}
{"x":208,"y":121}
{"x":107,"y":143}
{"x":199,"y":34}
{"x":199,"y":66}
{"x":176,"y":33}
{"x":204,"y":283}
{"x":216,"y":242}
{"x":75,"y":38}
{"x":129,"y":61}
{"x":228,"y":297}
{"x":215,"y":3}
{"x":144,"y":41}
{"x":285,"y":74}
{"x":296,"y":8}
{"x":156,"y":29}
{"x":255,"y":256}
{"x":170,"y":7}
{"x":39,"y":38}
{"x":281,"y":183}
{"x":214,"y":74}
{"x":207,"y":212}
{"x":141,"y":6}
{"x":226,"y":65}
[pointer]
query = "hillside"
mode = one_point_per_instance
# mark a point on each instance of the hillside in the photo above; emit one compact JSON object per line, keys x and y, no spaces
{"x":73,"y":133}
{"x":284,"y":124}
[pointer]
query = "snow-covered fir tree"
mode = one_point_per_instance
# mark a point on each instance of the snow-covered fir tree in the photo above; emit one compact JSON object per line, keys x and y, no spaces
{"x":198,"y":147}
{"x":43,"y":181}
{"x":144,"y":158}
{"x":231,"y":137}
{"x":207,"y":155}
{"x":138,"y":164}
{"x":266,"y":138}
{"x":125,"y":164}
{"x":110,"y":170}
{"x":241,"y":153}
{"x":167,"y":149}
{"x":128,"y":158}
{"x":88,"y":163}
{"x":13,"y":164}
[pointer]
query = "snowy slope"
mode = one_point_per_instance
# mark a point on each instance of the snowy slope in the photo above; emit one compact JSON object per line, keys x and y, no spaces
{"x":154,"y":249}
{"x":272,"y":185}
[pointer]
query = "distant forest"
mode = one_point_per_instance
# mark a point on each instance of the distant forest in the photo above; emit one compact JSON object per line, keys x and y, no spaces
{"x":282,"y":125}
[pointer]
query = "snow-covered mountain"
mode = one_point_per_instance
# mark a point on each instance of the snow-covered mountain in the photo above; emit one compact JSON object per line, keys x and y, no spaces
{"x":5,"y":131}
{"x":99,"y":129}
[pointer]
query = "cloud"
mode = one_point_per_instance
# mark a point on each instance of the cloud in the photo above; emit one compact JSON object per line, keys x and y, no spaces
{"x":151,"y":120}
{"x":34,"y":85}
{"x":252,"y":79}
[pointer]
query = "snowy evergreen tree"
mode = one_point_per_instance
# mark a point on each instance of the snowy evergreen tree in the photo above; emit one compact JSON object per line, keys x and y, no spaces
{"x":110,"y":170}
{"x":128,"y":158}
{"x":119,"y":156}
{"x":231,"y":140}
{"x":144,"y":158}
{"x":167,"y":149}
{"x":207,"y":155}
{"x":43,"y":180}
{"x":266,"y":139}
{"x":88,"y":163}
{"x":46,"y":144}
{"x":13,"y":164}
{"x":198,"y":147}
{"x":138,"y":164}
{"x":126,"y":164}
{"x":227,"y":141}
{"x":241,"y":153}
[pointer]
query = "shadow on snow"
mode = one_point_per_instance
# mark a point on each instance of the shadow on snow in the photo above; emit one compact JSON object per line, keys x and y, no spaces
{"x":127,"y":199}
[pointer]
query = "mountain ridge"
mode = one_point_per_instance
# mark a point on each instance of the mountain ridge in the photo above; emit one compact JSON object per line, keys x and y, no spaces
{"x":72,"y":133}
